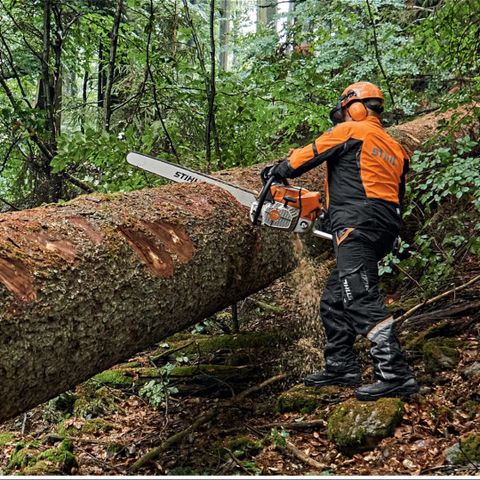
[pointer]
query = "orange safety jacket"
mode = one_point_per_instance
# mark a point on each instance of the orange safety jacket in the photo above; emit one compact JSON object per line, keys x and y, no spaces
{"x":366,"y":171}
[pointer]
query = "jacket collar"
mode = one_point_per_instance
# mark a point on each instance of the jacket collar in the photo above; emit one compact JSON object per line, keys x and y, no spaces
{"x":374,"y":120}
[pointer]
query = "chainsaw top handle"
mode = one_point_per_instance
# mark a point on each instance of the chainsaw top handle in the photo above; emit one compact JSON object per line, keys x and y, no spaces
{"x":264,"y":194}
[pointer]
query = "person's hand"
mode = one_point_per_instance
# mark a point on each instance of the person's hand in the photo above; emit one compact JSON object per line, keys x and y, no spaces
{"x":267,"y":173}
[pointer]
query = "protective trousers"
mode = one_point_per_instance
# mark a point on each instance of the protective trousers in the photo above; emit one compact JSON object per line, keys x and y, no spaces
{"x":352,"y":305}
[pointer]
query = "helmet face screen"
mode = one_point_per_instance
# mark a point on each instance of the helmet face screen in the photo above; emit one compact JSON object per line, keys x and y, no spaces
{"x":336,"y":114}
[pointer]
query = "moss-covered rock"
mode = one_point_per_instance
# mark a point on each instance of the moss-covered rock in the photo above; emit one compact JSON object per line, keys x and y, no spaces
{"x":113,"y":449}
{"x":441,"y":354}
{"x":356,"y":426}
{"x":41,"y":468}
{"x":59,"y":407}
{"x":52,"y":461}
{"x":204,"y":344}
{"x":304,"y":399}
{"x":464,"y":453}
{"x":61,"y":456}
{"x":472,"y":371}
{"x":417,"y":338}
{"x":6,"y":438}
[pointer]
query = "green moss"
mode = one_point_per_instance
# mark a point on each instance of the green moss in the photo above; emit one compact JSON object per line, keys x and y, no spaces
{"x":30,"y":461}
{"x":6,"y":438}
{"x":131,"y":365}
{"x":403,"y":305}
{"x":466,"y":452}
{"x":96,"y":425}
{"x":470,"y":407}
{"x":441,"y":354}
{"x":23,"y":457}
{"x":67,"y":431}
{"x":416,"y":340}
{"x":42,"y":467}
{"x":304,"y":399}
{"x":93,"y":402}
{"x":204,"y":344}
{"x":113,"y":448}
{"x":59,"y":456}
{"x":148,"y":372}
{"x":113,"y":377}
{"x":59,"y":407}
{"x":215,"y":370}
{"x":356,"y":426}
{"x":243,"y":445}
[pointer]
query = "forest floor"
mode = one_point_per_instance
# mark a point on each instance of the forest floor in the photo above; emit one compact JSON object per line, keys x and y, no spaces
{"x":246,"y":434}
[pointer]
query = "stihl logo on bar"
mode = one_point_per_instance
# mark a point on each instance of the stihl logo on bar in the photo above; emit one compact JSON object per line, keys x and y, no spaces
{"x":184,"y":177}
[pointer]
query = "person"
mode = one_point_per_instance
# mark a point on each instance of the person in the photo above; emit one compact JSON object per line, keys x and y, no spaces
{"x":365,"y":184}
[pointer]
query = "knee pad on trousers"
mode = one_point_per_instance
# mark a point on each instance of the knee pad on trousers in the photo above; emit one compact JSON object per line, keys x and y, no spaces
{"x":354,"y":283}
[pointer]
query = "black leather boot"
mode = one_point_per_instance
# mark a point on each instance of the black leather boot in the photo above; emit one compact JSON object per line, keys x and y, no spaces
{"x":323,"y":378}
{"x":392,"y":388}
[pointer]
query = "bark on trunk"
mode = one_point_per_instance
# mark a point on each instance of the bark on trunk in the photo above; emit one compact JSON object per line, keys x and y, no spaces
{"x":89,"y":283}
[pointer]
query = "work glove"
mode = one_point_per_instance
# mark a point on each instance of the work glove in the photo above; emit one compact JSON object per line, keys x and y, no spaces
{"x":267,"y":173}
{"x":280,"y":172}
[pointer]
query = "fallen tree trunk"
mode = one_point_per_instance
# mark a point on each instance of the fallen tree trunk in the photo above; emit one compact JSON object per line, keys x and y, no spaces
{"x":87,"y":284}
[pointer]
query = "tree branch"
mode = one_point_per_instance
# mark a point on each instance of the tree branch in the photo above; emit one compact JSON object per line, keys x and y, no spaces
{"x":377,"y":53}
{"x":198,"y":422}
{"x":410,"y":312}
{"x":154,"y":88}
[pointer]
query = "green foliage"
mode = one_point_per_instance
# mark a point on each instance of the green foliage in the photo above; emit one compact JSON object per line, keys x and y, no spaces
{"x":444,"y":198}
{"x":278,"y":436}
{"x":157,"y":391}
{"x":445,"y":172}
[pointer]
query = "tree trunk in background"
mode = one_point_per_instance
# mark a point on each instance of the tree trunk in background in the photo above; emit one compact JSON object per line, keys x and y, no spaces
{"x":101,"y":75}
{"x":266,"y":10}
{"x":225,"y":27}
{"x":107,"y":104}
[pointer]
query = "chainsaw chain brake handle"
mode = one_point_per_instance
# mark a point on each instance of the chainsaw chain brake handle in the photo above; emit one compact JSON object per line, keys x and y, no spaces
{"x":262,"y":197}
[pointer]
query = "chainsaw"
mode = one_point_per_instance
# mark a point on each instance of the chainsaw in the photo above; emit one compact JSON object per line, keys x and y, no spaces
{"x":279,"y":205}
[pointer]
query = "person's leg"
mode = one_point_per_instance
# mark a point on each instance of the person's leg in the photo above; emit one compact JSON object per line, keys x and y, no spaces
{"x":364,"y":306}
{"x":341,"y":367}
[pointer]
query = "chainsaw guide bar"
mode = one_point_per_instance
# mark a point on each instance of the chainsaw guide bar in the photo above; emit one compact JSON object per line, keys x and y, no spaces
{"x":280,"y":211}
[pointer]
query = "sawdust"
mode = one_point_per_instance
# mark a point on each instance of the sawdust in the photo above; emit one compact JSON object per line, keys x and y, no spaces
{"x":305,"y":286}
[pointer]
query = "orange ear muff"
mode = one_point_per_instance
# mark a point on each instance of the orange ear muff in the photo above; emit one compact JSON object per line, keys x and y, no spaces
{"x":357,"y":111}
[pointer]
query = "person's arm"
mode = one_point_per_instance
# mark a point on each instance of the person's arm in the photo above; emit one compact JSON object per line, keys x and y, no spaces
{"x":331,"y":143}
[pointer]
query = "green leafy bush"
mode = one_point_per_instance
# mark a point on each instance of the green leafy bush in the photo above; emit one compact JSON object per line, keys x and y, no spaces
{"x":444,"y":199}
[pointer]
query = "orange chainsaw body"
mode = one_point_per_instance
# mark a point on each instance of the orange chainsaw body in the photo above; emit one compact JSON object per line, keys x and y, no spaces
{"x":308,"y":203}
